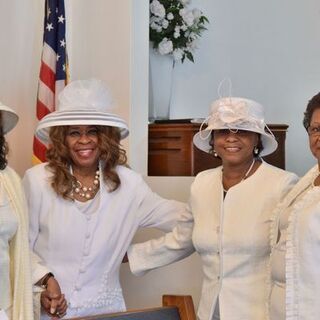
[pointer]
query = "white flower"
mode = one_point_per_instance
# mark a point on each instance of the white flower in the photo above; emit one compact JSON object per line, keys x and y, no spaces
{"x":178,"y":54}
{"x":170,"y":16}
{"x":155,"y":19}
{"x":165,"y":46}
{"x":182,"y":12}
{"x":157,"y":9}
{"x":173,"y":28}
{"x":188,"y":18}
{"x":192,"y":45}
{"x":184,"y":27}
{"x":176,"y":33}
{"x":153,"y":26}
{"x":196,"y":13}
{"x":165,"y":24}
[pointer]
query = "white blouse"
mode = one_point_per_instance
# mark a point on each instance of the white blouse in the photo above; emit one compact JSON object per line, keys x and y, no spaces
{"x":8,"y":228}
{"x":278,"y":266}
{"x":85,"y":251}
{"x":302,"y":251}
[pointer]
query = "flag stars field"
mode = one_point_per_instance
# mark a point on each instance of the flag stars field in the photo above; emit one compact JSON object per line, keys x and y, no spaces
{"x":61,"y":19}
{"x":54,"y":66}
{"x":49,"y":26}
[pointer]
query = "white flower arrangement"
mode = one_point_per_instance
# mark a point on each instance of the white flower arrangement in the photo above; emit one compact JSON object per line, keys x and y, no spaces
{"x":174,"y":29}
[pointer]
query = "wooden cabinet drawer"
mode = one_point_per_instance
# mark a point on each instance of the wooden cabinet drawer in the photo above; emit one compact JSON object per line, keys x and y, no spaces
{"x":172,"y":153}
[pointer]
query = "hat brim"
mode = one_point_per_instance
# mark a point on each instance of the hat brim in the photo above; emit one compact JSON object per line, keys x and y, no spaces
{"x":79,"y":117}
{"x":202,"y":141}
{"x":9,"y":118}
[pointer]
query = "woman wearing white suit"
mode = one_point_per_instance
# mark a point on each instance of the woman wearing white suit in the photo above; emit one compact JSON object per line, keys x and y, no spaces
{"x":295,"y":239}
{"x":85,"y":203}
{"x":231,"y":213}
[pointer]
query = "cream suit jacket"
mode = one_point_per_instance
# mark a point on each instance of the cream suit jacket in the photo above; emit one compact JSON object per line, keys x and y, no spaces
{"x":231,"y":235}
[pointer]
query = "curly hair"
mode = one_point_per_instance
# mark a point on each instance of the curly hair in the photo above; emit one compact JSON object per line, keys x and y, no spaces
{"x":59,"y":159}
{"x":313,"y":104}
{"x":4,"y":149}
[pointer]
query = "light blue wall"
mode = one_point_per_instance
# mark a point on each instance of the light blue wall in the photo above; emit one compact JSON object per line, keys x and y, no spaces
{"x":270,"y":50}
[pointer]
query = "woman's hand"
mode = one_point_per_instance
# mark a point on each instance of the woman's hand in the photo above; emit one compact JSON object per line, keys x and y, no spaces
{"x":52,"y":301}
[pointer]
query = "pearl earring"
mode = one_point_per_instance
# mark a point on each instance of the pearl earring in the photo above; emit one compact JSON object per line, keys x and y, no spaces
{"x":215,"y":154}
{"x":256,"y":151}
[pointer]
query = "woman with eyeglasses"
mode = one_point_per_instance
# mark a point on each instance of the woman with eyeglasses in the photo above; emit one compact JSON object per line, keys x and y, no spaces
{"x":295,"y":240}
{"x":231,"y":209}
{"x":85,"y":203}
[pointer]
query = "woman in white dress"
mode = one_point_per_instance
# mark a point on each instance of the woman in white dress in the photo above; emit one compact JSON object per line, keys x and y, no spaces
{"x":16,"y":276}
{"x":86,"y":204}
{"x":231,"y":211}
{"x":295,"y":239}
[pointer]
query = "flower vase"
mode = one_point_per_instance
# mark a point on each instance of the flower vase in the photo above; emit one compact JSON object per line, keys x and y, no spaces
{"x":160,"y":85}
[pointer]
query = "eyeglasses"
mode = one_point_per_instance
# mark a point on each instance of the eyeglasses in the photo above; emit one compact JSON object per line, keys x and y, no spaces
{"x":225,"y":132}
{"x":77,"y":133}
{"x":314,"y":130}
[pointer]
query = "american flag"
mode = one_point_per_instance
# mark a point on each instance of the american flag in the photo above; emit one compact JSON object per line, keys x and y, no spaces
{"x":54,"y":66}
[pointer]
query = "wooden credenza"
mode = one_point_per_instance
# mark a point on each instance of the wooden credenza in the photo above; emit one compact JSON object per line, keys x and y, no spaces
{"x":172,"y":153}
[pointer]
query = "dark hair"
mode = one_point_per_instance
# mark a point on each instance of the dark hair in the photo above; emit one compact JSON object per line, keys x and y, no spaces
{"x":59,"y":159}
{"x":3,"y":148}
{"x":259,"y":145}
{"x":313,"y":104}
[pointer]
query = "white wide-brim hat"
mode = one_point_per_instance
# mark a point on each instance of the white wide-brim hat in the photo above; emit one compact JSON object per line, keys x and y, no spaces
{"x":237,"y":114}
{"x":9,"y":118}
{"x":82,"y":102}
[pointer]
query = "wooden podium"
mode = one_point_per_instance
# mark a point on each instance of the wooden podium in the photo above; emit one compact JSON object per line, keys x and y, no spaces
{"x":172,"y":153}
{"x":174,"y":307}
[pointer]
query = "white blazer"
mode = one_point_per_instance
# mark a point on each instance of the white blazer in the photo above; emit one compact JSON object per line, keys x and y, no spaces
{"x":231,"y":236}
{"x":85,"y":250}
{"x":302,"y":258}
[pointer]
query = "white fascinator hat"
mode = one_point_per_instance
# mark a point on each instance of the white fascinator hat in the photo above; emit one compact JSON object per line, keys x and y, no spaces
{"x":9,"y":118}
{"x":236,"y":114}
{"x":82,"y":102}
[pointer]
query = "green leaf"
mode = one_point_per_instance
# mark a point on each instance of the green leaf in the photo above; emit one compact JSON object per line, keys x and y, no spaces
{"x":190,"y":56}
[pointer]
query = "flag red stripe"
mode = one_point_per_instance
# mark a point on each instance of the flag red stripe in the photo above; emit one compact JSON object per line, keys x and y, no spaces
{"x":42,"y":110}
{"x":40,"y":148}
{"x":54,"y":62}
{"x":47,"y":76}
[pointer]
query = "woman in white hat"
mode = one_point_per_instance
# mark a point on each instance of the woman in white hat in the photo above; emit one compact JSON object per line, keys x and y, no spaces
{"x":232,"y":208}
{"x":16,"y":276}
{"x":86,"y":204}
{"x":295,"y":238}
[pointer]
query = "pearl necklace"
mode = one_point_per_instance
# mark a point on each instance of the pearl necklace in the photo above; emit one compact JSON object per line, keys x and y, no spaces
{"x":245,"y":175}
{"x":87,"y":192}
